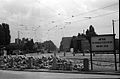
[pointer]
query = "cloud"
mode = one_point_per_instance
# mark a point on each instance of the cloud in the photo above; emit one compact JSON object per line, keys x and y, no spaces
{"x":15,"y":9}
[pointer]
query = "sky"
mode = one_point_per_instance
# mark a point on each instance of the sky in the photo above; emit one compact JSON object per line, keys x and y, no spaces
{"x":53,"y":19}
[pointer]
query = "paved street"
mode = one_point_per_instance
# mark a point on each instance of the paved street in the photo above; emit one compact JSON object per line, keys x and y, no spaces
{"x":44,"y":75}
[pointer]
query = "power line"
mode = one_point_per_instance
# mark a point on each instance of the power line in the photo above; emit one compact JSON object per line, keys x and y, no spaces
{"x":89,"y":12}
{"x":80,"y":13}
{"x":97,"y":16}
{"x":92,"y":17}
{"x":94,"y":10}
{"x":99,"y":8}
{"x":105,"y":14}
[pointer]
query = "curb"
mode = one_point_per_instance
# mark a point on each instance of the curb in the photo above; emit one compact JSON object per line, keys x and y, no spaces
{"x":76,"y":72}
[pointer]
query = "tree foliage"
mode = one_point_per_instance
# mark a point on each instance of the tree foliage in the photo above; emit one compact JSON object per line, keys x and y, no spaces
{"x":90,"y":32}
{"x":4,"y":34}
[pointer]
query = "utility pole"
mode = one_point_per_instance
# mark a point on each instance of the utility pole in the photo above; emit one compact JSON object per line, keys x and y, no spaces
{"x":114,"y":32}
{"x":113,"y":26}
{"x":114,"y":44}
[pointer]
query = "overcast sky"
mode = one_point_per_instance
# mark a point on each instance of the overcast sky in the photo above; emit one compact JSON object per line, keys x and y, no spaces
{"x":53,"y":19}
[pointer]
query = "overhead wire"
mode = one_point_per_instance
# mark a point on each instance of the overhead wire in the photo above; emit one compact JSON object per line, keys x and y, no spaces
{"x":106,"y":14}
{"x":89,"y":18}
{"x":97,"y":16}
{"x":89,"y":12}
{"x":94,"y":10}
{"x":115,"y":4}
{"x":83,"y":12}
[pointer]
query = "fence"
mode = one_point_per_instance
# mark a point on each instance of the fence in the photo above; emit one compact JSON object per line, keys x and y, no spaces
{"x":104,"y":62}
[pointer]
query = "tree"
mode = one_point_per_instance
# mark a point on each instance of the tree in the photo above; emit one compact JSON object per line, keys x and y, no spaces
{"x":4,"y":34}
{"x":90,"y":32}
{"x":7,"y":33}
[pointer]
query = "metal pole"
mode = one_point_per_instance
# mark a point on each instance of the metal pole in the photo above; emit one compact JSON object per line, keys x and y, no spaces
{"x":91,"y":55}
{"x":114,"y":46}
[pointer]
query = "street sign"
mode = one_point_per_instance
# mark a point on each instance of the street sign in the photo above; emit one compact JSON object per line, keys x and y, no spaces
{"x":102,"y":43}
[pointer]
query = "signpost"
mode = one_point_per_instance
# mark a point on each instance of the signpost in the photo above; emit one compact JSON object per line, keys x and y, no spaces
{"x":103,"y":43}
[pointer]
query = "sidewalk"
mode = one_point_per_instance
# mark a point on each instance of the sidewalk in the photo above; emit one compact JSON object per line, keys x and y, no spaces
{"x":74,"y":72}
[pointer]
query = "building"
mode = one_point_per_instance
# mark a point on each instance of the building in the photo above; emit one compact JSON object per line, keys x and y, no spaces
{"x":65,"y":44}
{"x":47,"y":46}
{"x":82,"y":43}
{"x":79,"y":43}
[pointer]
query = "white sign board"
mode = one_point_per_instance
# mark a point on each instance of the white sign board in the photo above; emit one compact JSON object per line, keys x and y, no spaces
{"x":102,"y":43}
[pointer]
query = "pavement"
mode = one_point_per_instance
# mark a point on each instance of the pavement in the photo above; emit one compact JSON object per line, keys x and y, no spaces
{"x":8,"y":74}
{"x":73,"y":71}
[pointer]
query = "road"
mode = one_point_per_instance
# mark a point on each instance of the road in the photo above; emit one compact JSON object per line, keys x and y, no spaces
{"x":4,"y":74}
